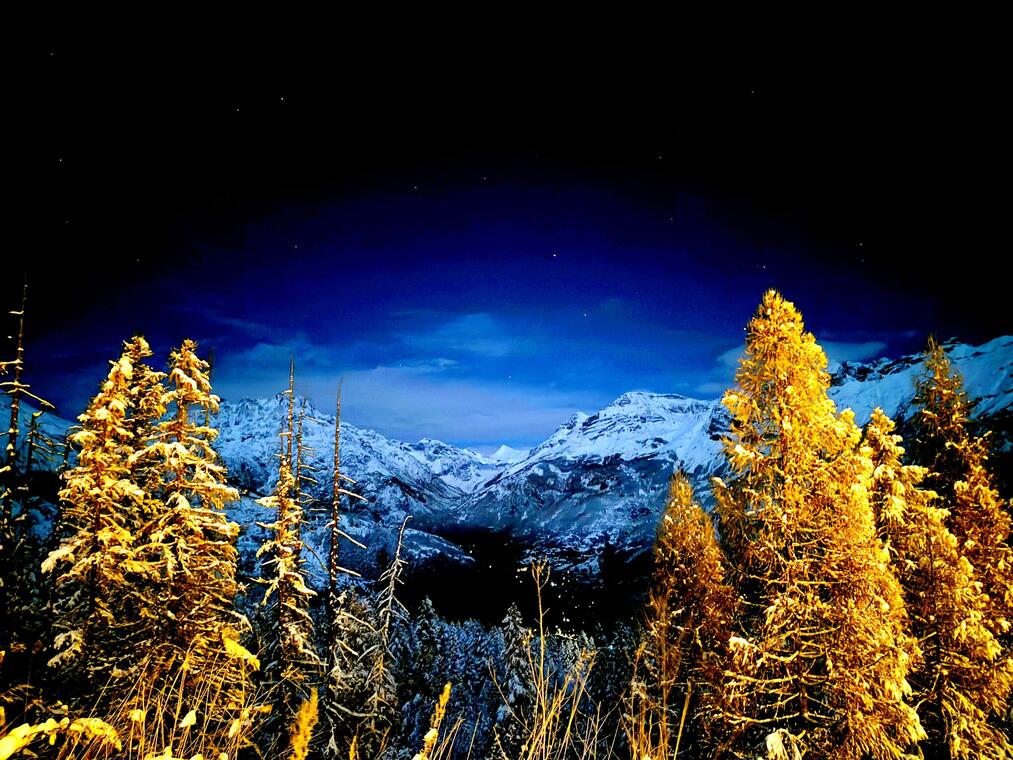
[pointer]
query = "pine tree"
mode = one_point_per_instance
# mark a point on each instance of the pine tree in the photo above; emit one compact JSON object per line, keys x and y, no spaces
{"x":99,"y":572}
{"x":349,"y":683}
{"x":819,"y":665}
{"x":390,"y":613}
{"x":337,"y":631}
{"x":964,"y":678}
{"x":517,"y":689}
{"x":940,"y":424}
{"x":295,"y":662}
{"x":428,"y":649}
{"x":958,"y":462}
{"x":688,"y":617}
{"x":190,"y":549}
{"x":16,"y":584}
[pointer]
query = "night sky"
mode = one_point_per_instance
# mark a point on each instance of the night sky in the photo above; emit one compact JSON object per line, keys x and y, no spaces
{"x":482,"y":241}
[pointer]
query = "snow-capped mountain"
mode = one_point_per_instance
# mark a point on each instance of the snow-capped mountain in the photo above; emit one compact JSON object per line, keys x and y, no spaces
{"x":397,"y":479}
{"x":602,"y":478}
{"x":890,"y":383}
{"x":598,"y":481}
{"x":508,"y":455}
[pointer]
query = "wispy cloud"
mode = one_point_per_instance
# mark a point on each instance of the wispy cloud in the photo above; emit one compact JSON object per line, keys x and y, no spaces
{"x":421,"y":395}
{"x":853,"y":352}
{"x":477,"y":334}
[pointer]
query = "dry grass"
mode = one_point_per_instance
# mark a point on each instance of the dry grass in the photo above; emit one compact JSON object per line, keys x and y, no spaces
{"x":301,"y":733}
{"x":175,"y":710}
{"x":432,"y":747}
{"x":560,"y":722}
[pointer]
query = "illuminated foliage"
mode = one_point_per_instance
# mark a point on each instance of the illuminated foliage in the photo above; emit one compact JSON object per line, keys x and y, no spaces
{"x":98,"y":572}
{"x":688,"y":613}
{"x":294,"y":661}
{"x":820,"y":658}
{"x":963,"y":679}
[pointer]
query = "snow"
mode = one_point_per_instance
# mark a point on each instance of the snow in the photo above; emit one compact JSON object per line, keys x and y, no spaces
{"x":597,"y":479}
{"x":890,"y":384}
{"x":507,"y":455}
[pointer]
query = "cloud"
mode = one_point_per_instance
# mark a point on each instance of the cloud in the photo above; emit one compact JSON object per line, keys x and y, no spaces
{"x":853,"y":352}
{"x":476,"y":334}
{"x":407,"y":404}
{"x":710,"y":389}
{"x":730,"y":358}
{"x":417,"y":396}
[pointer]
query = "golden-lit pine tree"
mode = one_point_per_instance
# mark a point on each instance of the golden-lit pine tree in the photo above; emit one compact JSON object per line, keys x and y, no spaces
{"x":148,"y":405}
{"x":958,"y":463}
{"x":98,"y":572}
{"x":689,"y":611}
{"x":294,"y":662}
{"x":963,"y":681}
{"x":191,"y":627}
{"x":940,"y":424}
{"x":820,"y":661}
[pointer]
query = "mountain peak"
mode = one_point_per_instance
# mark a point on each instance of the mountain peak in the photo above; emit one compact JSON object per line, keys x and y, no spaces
{"x":507,"y":455}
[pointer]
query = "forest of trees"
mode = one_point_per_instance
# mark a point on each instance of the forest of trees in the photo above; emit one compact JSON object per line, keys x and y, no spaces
{"x":850,"y":596}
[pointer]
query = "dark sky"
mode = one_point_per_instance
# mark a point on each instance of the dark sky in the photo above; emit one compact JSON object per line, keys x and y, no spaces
{"x":482,"y":240}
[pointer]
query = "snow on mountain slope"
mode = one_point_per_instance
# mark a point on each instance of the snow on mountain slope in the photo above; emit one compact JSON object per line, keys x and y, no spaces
{"x":396,"y":478}
{"x":890,"y":383}
{"x":508,"y":455}
{"x":597,"y":481}
{"x":602,"y":479}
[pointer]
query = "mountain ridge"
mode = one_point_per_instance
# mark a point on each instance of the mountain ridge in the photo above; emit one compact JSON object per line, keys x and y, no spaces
{"x":599,"y":480}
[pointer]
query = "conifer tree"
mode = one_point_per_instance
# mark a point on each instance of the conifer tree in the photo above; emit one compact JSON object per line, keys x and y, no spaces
{"x":341,"y":624}
{"x":147,"y":405}
{"x":517,"y":689}
{"x":390,"y":613}
{"x":14,"y":557}
{"x":820,"y":660}
{"x":15,"y":388}
{"x":295,"y":661}
{"x":958,"y":462}
{"x":688,"y":618}
{"x":98,"y":570}
{"x":964,"y":679}
{"x":940,"y":424}
{"x":350,"y":684}
{"x":190,"y":549}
